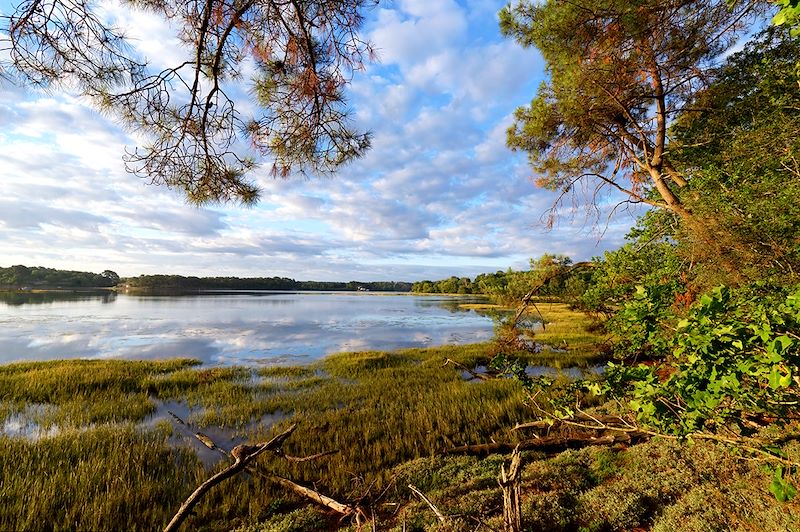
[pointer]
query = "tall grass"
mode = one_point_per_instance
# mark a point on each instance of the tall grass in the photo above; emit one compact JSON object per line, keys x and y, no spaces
{"x":389,"y":414}
{"x":106,"y":478}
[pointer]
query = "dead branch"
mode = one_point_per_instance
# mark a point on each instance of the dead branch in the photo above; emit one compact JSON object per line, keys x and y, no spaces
{"x":605,"y":422}
{"x":528,"y":298}
{"x":244,"y":455}
{"x":344,"y":509}
{"x":202,"y":438}
{"x":630,"y":432}
{"x":462,"y":367}
{"x":439,"y":515}
{"x":510,"y":484}
{"x":300,"y":459}
{"x":551,"y":444}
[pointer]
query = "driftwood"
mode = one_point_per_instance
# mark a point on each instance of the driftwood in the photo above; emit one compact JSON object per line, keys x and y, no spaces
{"x":556,"y":435}
{"x":510,"y":484}
{"x":202,"y":438}
{"x":547,"y":444}
{"x":439,"y":514}
{"x":597,"y":422}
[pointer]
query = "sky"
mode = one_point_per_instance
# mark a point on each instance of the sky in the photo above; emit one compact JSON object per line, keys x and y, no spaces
{"x":438,"y":194}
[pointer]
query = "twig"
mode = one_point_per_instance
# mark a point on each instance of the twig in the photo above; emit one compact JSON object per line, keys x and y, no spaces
{"x":300,"y":459}
{"x":202,"y":438}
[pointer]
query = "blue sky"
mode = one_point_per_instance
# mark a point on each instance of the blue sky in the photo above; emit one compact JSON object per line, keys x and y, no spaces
{"x":439,"y":194}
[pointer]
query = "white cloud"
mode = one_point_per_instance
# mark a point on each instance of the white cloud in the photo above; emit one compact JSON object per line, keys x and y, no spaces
{"x":438,"y":194}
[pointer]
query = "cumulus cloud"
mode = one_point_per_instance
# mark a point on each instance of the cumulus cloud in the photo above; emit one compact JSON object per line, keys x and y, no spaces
{"x":438,"y":194}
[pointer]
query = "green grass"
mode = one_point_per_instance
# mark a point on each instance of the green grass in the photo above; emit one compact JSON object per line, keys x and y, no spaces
{"x":389,"y":414}
{"x":83,"y":392}
{"x":377,"y":409}
{"x":569,"y":337}
{"x":108,"y":478}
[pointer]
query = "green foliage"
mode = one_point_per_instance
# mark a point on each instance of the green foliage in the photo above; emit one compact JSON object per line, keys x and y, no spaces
{"x":451,"y":285}
{"x":617,"y":276}
{"x":39,"y":277}
{"x":190,"y":283}
{"x":780,"y":487}
{"x":511,"y":286}
{"x":641,"y":326}
{"x":741,"y":152}
{"x":734,"y":359}
{"x":789,"y":16}
{"x":728,"y":368}
{"x":199,"y":139}
{"x":619,"y":72}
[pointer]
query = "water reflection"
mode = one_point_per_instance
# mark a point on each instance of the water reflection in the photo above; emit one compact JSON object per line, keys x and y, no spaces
{"x":227,"y":328}
{"x":43,"y":298}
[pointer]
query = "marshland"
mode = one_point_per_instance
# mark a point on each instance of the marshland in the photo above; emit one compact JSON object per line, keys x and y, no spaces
{"x":118,"y":444}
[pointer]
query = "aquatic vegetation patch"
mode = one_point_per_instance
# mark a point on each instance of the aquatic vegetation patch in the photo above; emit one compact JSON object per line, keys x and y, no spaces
{"x":76,"y":393}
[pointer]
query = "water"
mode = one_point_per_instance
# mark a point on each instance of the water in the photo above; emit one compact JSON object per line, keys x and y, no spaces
{"x":250,"y":328}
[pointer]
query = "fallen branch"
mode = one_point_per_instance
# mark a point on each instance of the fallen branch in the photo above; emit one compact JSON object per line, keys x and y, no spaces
{"x":603,"y":422}
{"x":637,"y":433}
{"x":550,"y":444}
{"x":462,"y":367}
{"x":527,"y":299}
{"x":341,"y":508}
{"x":300,"y":459}
{"x":244,"y":455}
{"x":440,"y":515}
{"x":202,"y":438}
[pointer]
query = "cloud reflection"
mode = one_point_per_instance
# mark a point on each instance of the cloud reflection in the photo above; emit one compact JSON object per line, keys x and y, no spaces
{"x":232,"y":328}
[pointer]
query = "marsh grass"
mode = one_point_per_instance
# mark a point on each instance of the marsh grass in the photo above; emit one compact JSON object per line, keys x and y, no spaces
{"x":377,"y":408}
{"x":82,"y":392}
{"x":106,"y":478}
{"x":569,"y":337}
{"x":389,"y":414}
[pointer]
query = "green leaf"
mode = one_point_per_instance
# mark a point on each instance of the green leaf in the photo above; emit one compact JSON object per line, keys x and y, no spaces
{"x":780,"y":488}
{"x":775,"y":378}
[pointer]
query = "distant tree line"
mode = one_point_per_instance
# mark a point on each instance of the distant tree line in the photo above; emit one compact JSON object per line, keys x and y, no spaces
{"x":180,"y":282}
{"x":509,"y":285}
{"x":17,"y":277}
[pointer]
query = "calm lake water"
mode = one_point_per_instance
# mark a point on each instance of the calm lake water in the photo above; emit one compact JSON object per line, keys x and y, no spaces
{"x":229,"y":328}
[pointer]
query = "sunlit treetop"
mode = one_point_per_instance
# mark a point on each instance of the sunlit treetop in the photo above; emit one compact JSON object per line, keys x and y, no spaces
{"x":620,"y":72}
{"x":197,"y":138}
